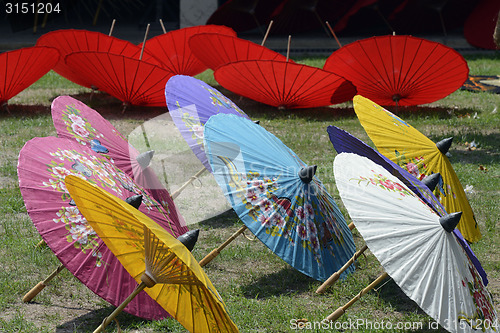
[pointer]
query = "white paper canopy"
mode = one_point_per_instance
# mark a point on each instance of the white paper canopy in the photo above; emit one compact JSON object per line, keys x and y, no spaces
{"x":406,"y":236}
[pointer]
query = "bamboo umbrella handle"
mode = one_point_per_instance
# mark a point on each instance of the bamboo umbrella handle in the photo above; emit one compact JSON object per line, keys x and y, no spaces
{"x":112,"y":27}
{"x":190,"y":180}
{"x":333,"y":34}
{"x":42,"y":284}
{"x":335,"y":276}
{"x":267,"y":33}
{"x":144,"y":41}
{"x":288,"y":48}
{"x":341,"y":310}
{"x":163,"y":26}
{"x":120,"y":308}
{"x":216,"y":252}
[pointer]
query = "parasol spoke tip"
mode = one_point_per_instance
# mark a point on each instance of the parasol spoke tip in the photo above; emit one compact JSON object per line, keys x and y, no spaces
{"x":444,"y":145}
{"x":256,"y":122}
{"x":189,"y":238}
{"x":449,"y":222}
{"x":134,"y":201}
{"x":144,"y":159}
{"x":306,"y":174}
{"x":432,"y":180}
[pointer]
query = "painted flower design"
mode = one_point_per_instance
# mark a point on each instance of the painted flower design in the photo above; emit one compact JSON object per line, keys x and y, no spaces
{"x":72,"y":214}
{"x":296,"y":219}
{"x":265,"y":221}
{"x":97,"y":170}
{"x":278,"y":220}
{"x":218,"y":99}
{"x":79,"y":232}
{"x":300,"y":213}
{"x":484,"y":316}
{"x":195,"y":127}
{"x":302,"y":231}
{"x":266,"y":206}
{"x":76,"y":119}
{"x":252,"y":196}
{"x":198,"y":130}
{"x":314,"y":243}
{"x":309,"y":211}
{"x":415,"y":166}
{"x":81,"y":130}
{"x":385,"y":183}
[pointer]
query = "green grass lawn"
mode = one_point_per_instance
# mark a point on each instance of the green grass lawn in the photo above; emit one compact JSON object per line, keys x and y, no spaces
{"x":262,"y":292}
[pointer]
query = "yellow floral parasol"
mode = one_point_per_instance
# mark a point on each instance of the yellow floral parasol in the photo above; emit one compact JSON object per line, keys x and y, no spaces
{"x":161,"y":264}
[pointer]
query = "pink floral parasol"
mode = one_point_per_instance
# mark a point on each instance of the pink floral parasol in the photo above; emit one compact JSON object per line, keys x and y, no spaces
{"x":76,"y":121}
{"x":43,"y":165}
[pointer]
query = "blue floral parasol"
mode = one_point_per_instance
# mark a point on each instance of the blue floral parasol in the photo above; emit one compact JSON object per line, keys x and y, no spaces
{"x":277,"y":196}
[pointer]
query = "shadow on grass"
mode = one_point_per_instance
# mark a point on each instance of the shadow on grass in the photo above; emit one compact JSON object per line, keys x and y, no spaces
{"x":390,"y":292}
{"x":108,"y":106}
{"x":283,"y":282}
{"x":21,"y":111}
{"x":222,"y":220}
{"x":91,"y":320}
{"x":112,"y":108}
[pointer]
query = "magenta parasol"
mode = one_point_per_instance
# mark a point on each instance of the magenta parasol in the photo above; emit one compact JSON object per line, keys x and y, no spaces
{"x":76,"y":121}
{"x":43,"y":165}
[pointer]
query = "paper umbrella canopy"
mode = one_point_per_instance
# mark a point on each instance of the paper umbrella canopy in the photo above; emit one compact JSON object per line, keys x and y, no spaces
{"x":277,"y":196}
{"x":21,"y":68}
{"x":156,"y":260}
{"x":76,"y":121}
{"x":68,"y":41}
{"x":133,"y":81}
{"x":43,"y":165}
{"x":413,"y":151}
{"x":343,"y":142}
{"x":399,"y":70}
{"x":191,"y":102}
{"x":173,"y":50}
{"x":414,"y":245}
{"x":284,"y":84}
{"x":215,"y":50}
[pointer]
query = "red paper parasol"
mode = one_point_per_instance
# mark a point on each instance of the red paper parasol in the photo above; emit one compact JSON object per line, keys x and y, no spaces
{"x":173,"y":50}
{"x":480,"y":25}
{"x":43,"y":165}
{"x":76,"y":121}
{"x":70,"y":40}
{"x":400,"y":70}
{"x":21,"y":68}
{"x":131,"y":80}
{"x":215,"y":50}
{"x":284,"y":84}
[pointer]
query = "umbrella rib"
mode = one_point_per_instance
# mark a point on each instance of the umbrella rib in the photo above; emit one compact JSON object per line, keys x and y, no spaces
{"x":269,"y":91}
{"x":365,"y":75}
{"x":255,"y":83}
{"x":16,"y":76}
{"x":426,"y":82}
